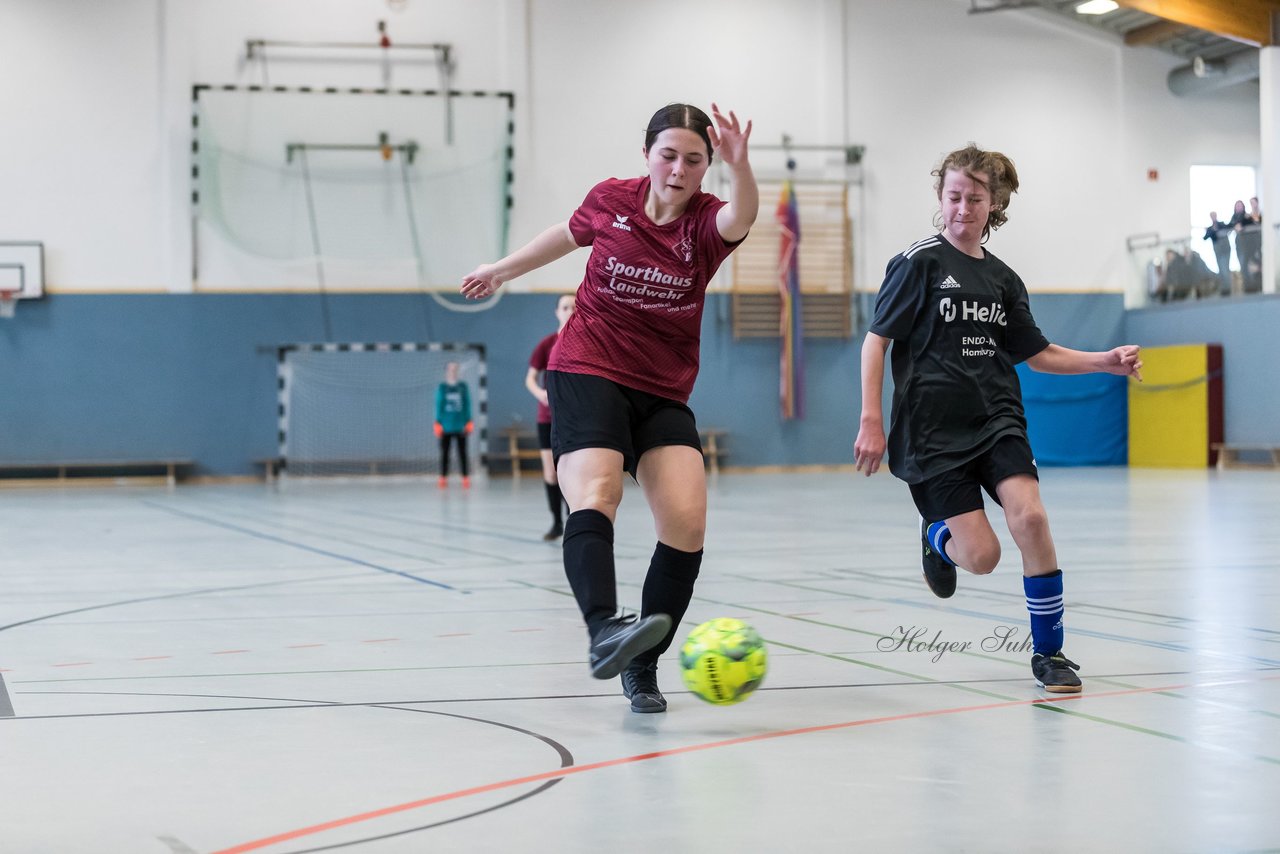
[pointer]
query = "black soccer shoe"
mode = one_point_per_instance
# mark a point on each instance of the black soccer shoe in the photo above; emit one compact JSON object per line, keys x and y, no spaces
{"x":556,"y":532}
{"x":622,"y":639}
{"x":640,"y":686}
{"x":1054,"y":673}
{"x":938,"y":572}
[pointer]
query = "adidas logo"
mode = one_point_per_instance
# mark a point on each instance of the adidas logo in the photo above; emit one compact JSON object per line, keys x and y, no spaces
{"x":948,"y":282}
{"x":620,"y":221}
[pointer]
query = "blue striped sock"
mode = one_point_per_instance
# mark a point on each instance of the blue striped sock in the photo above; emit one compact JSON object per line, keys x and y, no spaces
{"x":1044,"y":603}
{"x":937,"y":534}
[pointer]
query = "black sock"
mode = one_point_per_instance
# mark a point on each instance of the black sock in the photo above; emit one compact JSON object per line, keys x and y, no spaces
{"x":668,"y":587}
{"x":554,"y":500}
{"x":588,"y":564}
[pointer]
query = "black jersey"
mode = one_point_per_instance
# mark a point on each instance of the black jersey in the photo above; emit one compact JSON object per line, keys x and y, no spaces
{"x":959,"y":325}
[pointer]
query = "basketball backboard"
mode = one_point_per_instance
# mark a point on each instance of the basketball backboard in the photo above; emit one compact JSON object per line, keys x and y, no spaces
{"x":22,"y":268}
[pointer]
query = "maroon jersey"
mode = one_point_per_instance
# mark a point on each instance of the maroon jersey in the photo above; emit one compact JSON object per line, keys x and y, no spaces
{"x":638,"y":318}
{"x":538,"y":361}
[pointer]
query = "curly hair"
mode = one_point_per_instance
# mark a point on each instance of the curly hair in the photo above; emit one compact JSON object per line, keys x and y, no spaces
{"x":1001,"y":181}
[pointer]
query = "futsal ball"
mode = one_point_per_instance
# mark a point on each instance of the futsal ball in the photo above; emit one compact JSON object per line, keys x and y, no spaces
{"x":723,"y":661}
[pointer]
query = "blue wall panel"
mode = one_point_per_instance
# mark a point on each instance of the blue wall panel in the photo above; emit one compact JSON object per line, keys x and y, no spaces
{"x":120,"y":375}
{"x":1076,"y":420}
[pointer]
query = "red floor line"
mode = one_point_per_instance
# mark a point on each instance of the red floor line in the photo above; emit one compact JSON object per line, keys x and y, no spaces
{"x":693,"y":748}
{"x":380,"y":640}
{"x":304,"y":645}
{"x":229,"y":651}
{"x":152,"y":657}
{"x":456,"y":635}
{"x":75,"y":664}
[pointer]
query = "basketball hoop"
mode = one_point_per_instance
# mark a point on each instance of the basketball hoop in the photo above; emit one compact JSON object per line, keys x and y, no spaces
{"x":8,"y":303}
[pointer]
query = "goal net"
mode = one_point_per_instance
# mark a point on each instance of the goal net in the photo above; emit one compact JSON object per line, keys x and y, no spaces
{"x":350,"y":189}
{"x":370,"y":409}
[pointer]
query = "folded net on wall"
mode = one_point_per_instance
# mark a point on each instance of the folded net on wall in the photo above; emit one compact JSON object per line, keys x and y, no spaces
{"x":354,"y":188}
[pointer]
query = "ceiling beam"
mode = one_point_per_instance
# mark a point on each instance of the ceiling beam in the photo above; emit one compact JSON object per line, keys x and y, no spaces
{"x":1247,"y":21}
{"x":1001,"y":6}
{"x":1153,"y":33}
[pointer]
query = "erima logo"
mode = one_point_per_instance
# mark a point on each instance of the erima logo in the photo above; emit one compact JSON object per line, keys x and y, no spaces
{"x":971,"y":310}
{"x":620,"y":221}
{"x":949,"y":282}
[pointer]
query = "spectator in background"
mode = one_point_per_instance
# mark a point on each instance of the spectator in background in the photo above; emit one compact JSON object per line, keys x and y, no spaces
{"x":1200,"y":279}
{"x":1182,"y":275}
{"x":1175,"y":278}
{"x":1248,"y":227}
{"x":1219,"y":233}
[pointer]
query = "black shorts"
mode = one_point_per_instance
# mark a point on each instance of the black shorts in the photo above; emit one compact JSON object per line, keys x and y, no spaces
{"x":593,"y":412}
{"x":957,"y":491}
{"x":544,"y":435}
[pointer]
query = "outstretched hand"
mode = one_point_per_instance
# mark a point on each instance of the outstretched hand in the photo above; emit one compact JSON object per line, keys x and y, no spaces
{"x":868,"y":449}
{"x":481,"y":282}
{"x":728,"y":137}
{"x":1124,"y":361}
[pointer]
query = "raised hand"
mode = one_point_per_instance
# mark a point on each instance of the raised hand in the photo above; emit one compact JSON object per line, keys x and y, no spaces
{"x":728,"y":137}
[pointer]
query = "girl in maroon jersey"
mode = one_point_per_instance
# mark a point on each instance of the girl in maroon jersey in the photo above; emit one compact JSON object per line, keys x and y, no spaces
{"x":622,"y":371}
{"x":534,"y":381}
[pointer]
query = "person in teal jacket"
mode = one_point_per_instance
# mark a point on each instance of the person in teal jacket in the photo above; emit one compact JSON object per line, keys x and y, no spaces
{"x":453,"y":422}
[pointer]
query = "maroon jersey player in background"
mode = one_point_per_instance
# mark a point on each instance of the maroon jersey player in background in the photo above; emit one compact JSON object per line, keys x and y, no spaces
{"x":620,"y":376}
{"x":535,"y":382}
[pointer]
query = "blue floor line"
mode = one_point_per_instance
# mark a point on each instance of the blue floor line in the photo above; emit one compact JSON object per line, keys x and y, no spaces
{"x":306,"y":548}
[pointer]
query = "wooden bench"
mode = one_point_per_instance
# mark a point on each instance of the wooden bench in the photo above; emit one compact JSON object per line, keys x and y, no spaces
{"x":1234,"y":456}
{"x":65,"y":470}
{"x":711,"y":450}
{"x":522,"y":445}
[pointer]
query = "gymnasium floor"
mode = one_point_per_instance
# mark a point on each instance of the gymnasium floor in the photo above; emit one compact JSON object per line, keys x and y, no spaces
{"x":385,"y":667}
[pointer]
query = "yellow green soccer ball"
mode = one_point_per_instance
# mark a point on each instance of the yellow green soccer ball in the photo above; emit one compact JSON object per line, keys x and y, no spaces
{"x":723,"y":661}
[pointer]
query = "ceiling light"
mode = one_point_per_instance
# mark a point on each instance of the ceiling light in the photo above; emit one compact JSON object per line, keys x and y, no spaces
{"x":1097,"y":7}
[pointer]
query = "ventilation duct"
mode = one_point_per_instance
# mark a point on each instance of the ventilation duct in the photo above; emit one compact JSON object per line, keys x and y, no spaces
{"x":1209,"y":75}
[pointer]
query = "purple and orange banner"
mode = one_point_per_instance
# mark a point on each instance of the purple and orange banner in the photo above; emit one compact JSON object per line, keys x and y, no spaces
{"x":791,"y":359}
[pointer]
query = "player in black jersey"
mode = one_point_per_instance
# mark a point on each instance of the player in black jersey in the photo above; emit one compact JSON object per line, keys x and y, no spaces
{"x":959,"y":320}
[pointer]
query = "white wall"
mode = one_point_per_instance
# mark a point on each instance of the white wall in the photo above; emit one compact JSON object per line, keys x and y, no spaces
{"x":1046,"y":95}
{"x":80,"y":137}
{"x":600,"y":70}
{"x":98,"y":164}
